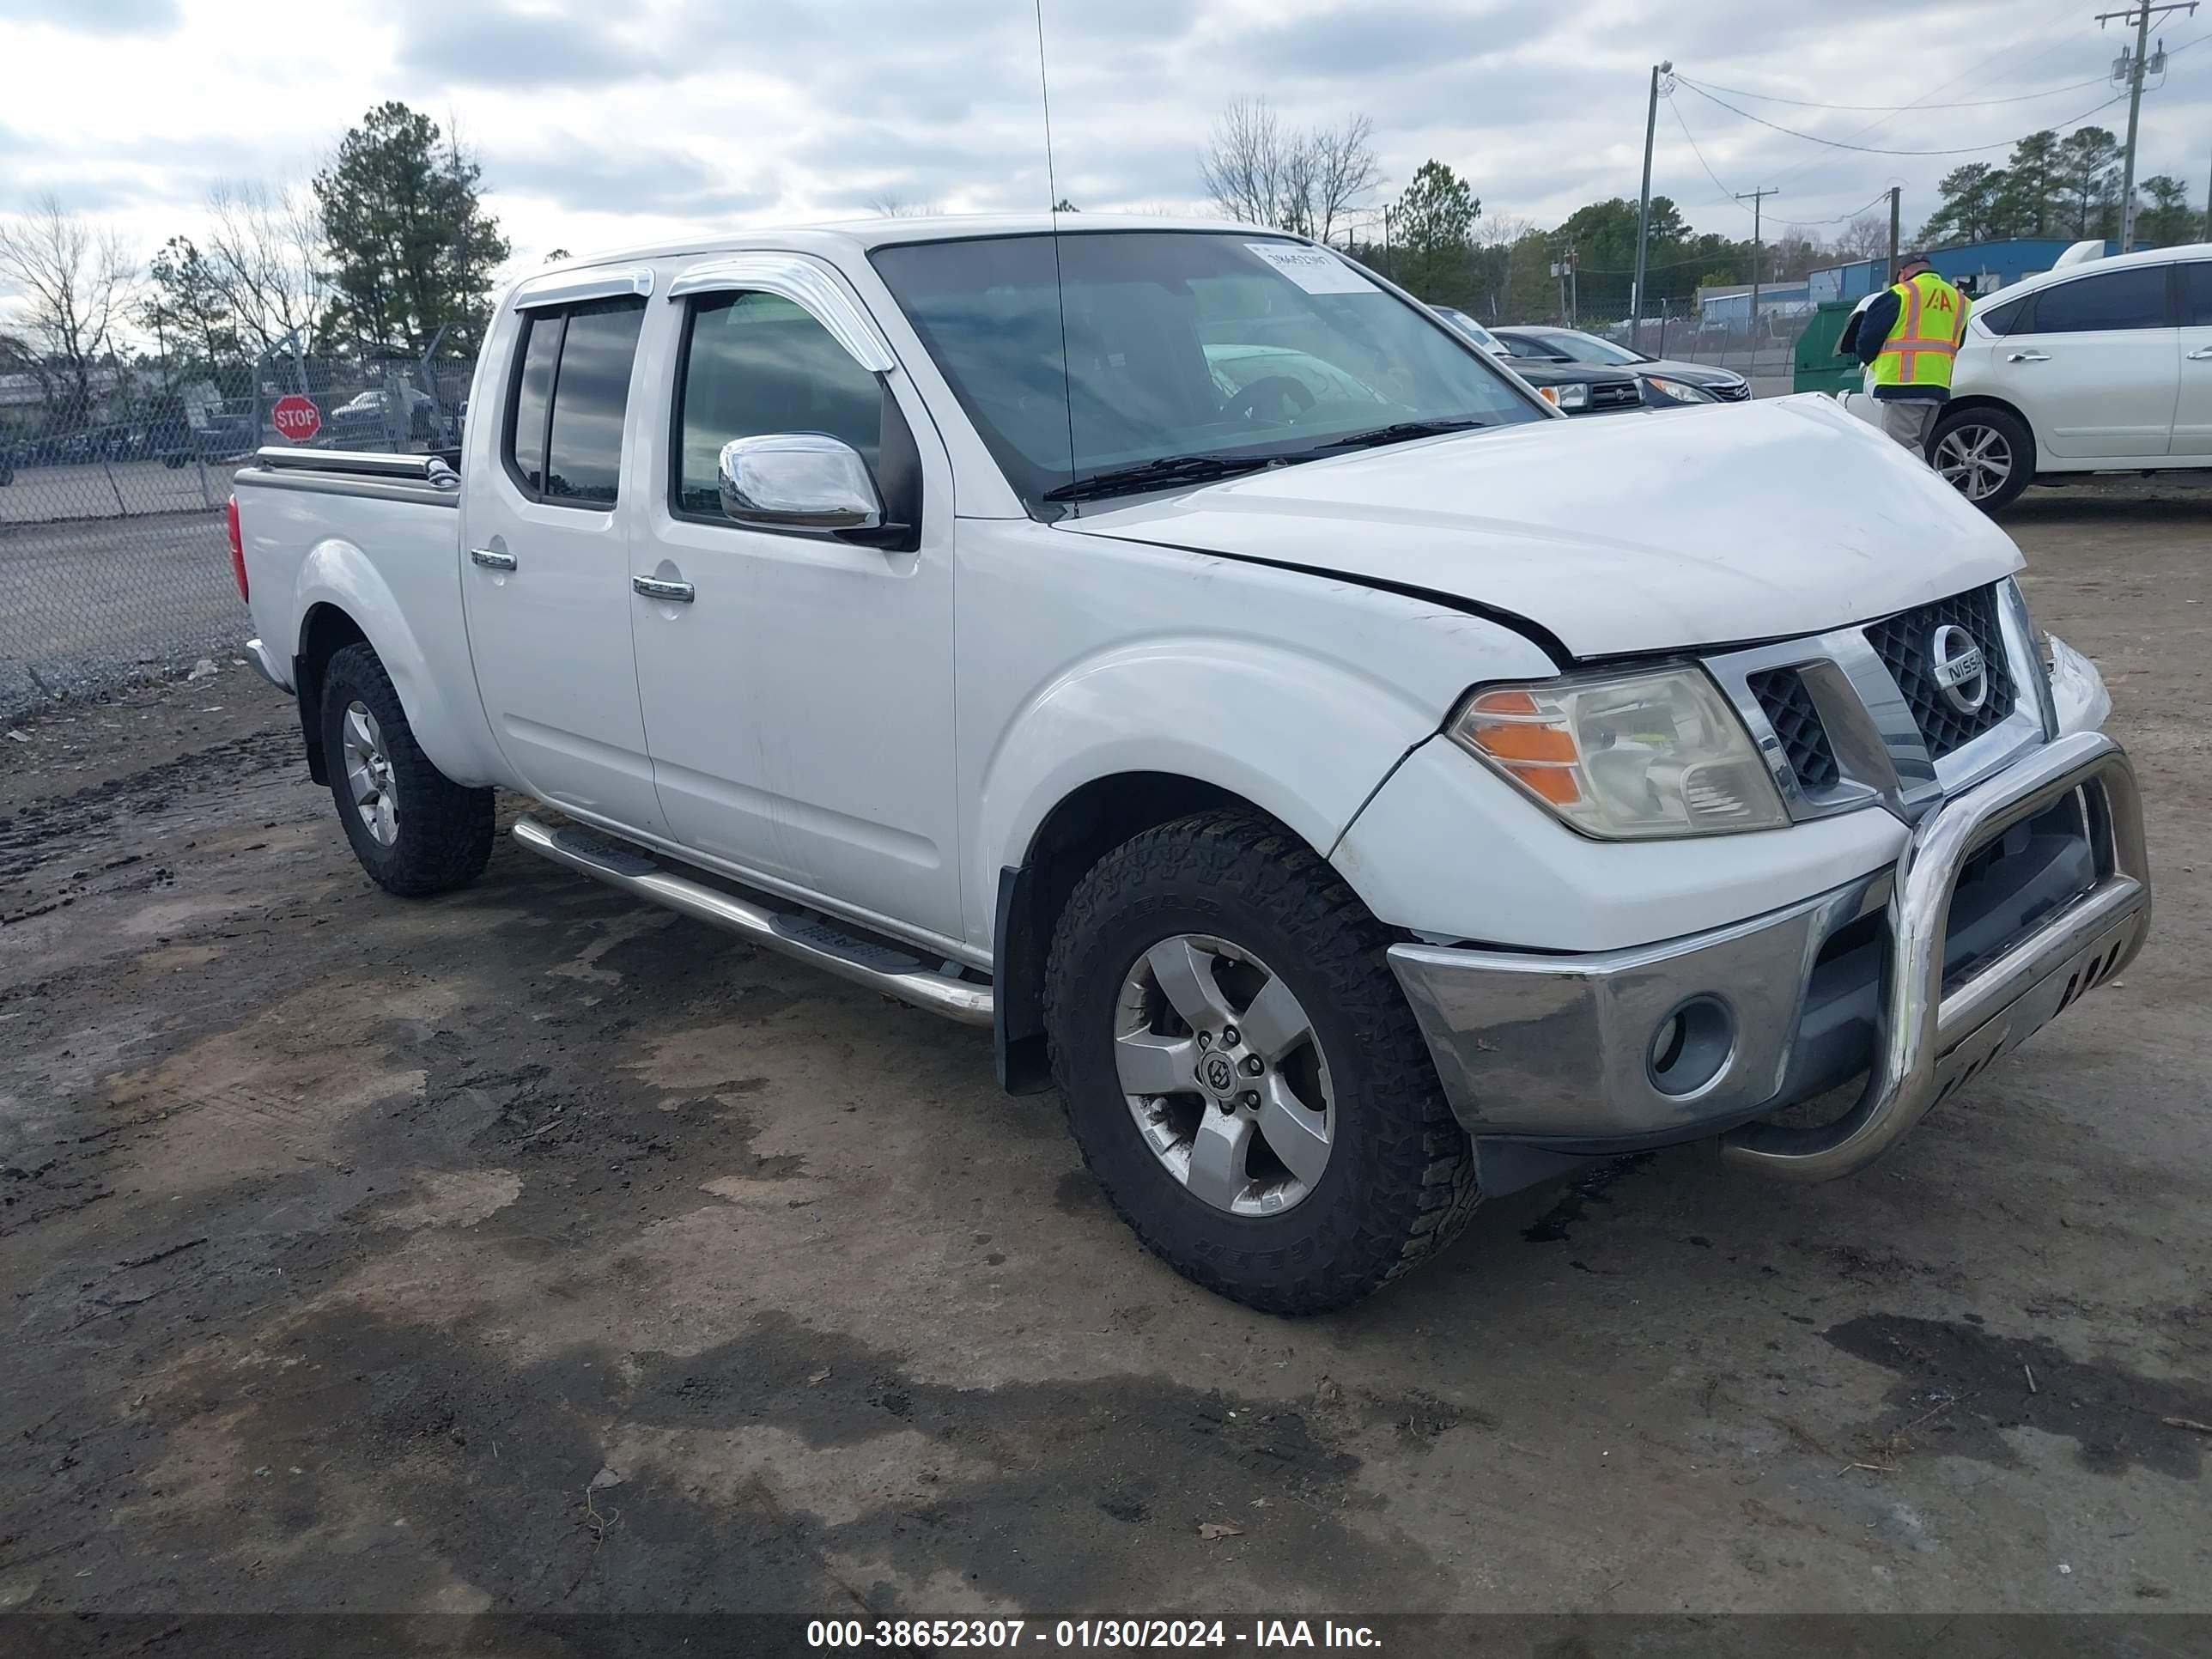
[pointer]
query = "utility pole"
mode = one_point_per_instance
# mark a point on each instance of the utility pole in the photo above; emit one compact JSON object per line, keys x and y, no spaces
{"x":1894,"y":193}
{"x":2140,"y":15}
{"x":1562,"y":269}
{"x":1643,"y":206}
{"x":1758,"y":198}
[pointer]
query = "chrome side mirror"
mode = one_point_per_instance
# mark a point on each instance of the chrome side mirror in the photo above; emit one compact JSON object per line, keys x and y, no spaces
{"x":798,"y":481}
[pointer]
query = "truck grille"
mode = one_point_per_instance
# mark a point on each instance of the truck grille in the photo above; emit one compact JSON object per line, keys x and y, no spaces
{"x":1905,"y":644}
{"x":1781,"y":692}
{"x":1615,"y":394}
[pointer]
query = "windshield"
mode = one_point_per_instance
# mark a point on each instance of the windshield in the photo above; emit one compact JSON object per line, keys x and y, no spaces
{"x":1588,"y":348}
{"x":1185,"y":354}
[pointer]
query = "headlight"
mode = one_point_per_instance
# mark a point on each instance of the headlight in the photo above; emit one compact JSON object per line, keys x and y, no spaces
{"x":1680,"y":391}
{"x":1566,"y":397}
{"x":1635,"y":757}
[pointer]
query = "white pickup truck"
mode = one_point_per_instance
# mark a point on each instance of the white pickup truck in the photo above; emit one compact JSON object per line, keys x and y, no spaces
{"x":1358,"y":788}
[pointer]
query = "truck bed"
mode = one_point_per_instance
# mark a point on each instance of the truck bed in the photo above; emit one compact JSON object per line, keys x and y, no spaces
{"x":374,"y":539}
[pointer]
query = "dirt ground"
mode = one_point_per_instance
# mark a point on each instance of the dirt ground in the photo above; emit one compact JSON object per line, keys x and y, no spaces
{"x":530,"y":1250}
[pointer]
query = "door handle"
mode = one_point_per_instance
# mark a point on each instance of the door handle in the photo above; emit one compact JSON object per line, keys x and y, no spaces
{"x":653,"y":587}
{"x":490,"y":560}
{"x":2029,"y":357}
{"x":2203,"y":354}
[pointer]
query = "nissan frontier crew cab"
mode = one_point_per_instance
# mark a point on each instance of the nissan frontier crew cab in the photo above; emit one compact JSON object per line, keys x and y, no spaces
{"x":1354,"y":787}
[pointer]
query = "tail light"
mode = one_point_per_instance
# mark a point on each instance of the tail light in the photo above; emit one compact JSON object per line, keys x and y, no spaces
{"x":237,"y":547}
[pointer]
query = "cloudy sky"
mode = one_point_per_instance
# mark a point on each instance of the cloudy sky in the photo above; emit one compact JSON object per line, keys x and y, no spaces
{"x":602,"y":122}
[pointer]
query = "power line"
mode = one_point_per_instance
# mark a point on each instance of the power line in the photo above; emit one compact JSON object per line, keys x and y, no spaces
{"x":1873,"y":149}
{"x":1892,"y":109}
{"x":1979,"y":66}
{"x":1730,"y":195}
{"x":1840,"y":219}
{"x":1727,"y":195}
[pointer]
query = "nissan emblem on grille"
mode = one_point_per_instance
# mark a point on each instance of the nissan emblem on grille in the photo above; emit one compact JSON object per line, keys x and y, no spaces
{"x":1961,"y":671}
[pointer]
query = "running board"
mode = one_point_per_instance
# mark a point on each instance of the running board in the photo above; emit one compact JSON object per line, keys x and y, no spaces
{"x":890,"y":969}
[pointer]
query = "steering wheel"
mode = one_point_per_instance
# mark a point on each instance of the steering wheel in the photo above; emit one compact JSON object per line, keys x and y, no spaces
{"x":1292,"y":390}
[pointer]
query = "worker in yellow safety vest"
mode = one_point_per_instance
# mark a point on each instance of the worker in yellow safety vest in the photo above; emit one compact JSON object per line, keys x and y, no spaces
{"x":1908,"y":339}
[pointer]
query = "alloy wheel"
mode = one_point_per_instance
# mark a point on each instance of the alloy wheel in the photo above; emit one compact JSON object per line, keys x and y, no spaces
{"x":1222,"y":1075}
{"x":369,"y":775}
{"x":1976,"y":460}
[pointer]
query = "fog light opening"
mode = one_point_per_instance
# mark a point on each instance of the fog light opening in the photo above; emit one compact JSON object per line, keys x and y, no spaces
{"x":1692,"y":1047}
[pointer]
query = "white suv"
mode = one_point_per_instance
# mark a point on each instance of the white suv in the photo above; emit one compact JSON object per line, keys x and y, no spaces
{"x":2099,"y":368}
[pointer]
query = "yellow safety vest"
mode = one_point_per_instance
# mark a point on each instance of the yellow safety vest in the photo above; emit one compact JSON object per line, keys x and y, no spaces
{"x":1931,"y":320}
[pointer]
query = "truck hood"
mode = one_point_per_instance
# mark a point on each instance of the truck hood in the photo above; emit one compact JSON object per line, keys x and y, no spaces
{"x":1679,"y":529}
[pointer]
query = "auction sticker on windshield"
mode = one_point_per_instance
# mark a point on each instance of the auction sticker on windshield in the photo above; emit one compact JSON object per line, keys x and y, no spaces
{"x":1311,"y":269}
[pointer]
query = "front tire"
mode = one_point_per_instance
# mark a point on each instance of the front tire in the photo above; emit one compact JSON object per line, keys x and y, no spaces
{"x":1988,"y":455}
{"x":1241,"y":1073}
{"x":414,"y":830}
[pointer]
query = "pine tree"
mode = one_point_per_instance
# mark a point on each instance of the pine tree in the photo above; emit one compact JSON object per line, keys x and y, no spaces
{"x":1433,"y":230}
{"x":2164,"y":219}
{"x":2024,"y":204}
{"x":1966,"y":208}
{"x":411,"y":248}
{"x":2088,"y":158}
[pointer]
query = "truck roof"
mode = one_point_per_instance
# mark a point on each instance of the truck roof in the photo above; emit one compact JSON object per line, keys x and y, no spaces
{"x":857,"y":235}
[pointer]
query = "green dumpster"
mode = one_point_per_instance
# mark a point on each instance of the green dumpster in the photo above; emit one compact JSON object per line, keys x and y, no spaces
{"x":1817,"y":366}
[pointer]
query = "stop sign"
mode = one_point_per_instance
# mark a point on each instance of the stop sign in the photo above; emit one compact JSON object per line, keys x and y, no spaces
{"x":295,"y":417}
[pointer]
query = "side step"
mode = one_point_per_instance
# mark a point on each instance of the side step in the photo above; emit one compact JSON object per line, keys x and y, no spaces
{"x":881,"y":967}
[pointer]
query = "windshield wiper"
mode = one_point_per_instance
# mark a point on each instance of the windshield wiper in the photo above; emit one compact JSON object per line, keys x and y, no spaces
{"x":1167,"y":470}
{"x":1397,"y":432}
{"x":1208,"y":469}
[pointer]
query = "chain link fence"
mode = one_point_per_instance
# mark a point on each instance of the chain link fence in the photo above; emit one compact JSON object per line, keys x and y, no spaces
{"x":114,"y":563}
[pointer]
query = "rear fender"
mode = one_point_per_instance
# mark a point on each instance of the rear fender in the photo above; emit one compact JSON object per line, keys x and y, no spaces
{"x":442,"y":707}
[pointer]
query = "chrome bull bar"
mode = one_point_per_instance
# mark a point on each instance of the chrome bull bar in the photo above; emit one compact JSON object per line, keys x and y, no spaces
{"x":1933,"y":1041}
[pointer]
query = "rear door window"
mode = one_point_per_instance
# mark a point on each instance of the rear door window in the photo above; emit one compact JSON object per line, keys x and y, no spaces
{"x":2131,"y":299}
{"x":2197,"y":288}
{"x":2000,"y":318}
{"x":534,"y":396}
{"x":571,"y":393}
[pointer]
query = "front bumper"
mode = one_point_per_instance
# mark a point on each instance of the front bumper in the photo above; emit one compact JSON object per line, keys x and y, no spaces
{"x":1672,"y":1042}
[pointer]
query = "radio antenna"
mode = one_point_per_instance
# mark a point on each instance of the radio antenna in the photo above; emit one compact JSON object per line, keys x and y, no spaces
{"x":1044,"y":96}
{"x":1058,"y":278}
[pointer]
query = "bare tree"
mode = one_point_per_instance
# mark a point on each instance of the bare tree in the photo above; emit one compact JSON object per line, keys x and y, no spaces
{"x":1249,"y":165}
{"x":1342,"y":169}
{"x":1494,"y":238}
{"x":889,"y":205}
{"x":73,"y":286}
{"x":1866,"y":237}
{"x":1256,"y":169}
{"x":263,"y":256}
{"x":1501,"y":229}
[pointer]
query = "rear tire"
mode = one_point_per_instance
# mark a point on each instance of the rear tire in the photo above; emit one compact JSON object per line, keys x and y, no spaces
{"x":414,"y":830}
{"x":1304,"y":1233}
{"x":1988,"y":455}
